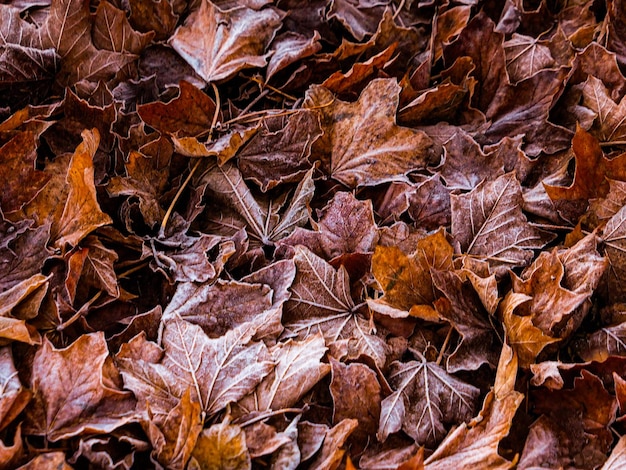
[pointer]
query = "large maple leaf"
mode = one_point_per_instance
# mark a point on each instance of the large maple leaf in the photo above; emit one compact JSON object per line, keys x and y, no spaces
{"x":218,"y":371}
{"x":361,"y":144}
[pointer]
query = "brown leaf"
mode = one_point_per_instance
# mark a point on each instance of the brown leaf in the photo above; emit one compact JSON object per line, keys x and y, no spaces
{"x":476,"y":444}
{"x":406,"y":280}
{"x":356,"y":395}
{"x":578,"y":419}
{"x":462,"y":152}
{"x":153,"y":16}
{"x":146,"y":179}
{"x":298,"y":368}
{"x":262,"y":218}
{"x":332,"y":452}
{"x":81,"y":214}
{"x":525,"y":338}
{"x":361,"y":144}
{"x":222,"y":446}
{"x":279,"y":152}
{"x":617,"y":459}
{"x":69,"y":392}
{"x":425,"y":400}
{"x":495,"y":207}
{"x":10,"y":456}
{"x":48,"y":460}
{"x":610,"y":116}
{"x":589,"y":179}
{"x":218,"y":371}
{"x":525,"y":56}
{"x":175,"y":437}
{"x":218,"y":44}
{"x":320,"y":299}
{"x":289,"y":47}
{"x":463,"y":309}
{"x":189,"y":114}
{"x":18,"y":164}
{"x":346,"y":225}
{"x":113,"y":32}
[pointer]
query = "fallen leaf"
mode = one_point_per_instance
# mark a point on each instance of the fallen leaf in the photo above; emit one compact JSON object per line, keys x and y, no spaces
{"x":361,"y":144}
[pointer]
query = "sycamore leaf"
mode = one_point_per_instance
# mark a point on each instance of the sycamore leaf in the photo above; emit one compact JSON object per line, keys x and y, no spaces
{"x":356,"y":394}
{"x":279,"y":152}
{"x":592,"y":167}
{"x":525,"y":338}
{"x":70,"y":395}
{"x":218,"y":44}
{"x":610,"y":123}
{"x":488,"y":222}
{"x":406,"y":280}
{"x":463,"y":308}
{"x":605,"y":342}
{"x":361,"y":144}
{"x":321,"y":301}
{"x":113,"y":32}
{"x":218,"y":371}
{"x":189,"y":114}
{"x":525,"y":56}
{"x":426,"y":398}
{"x":332,"y":451}
{"x":146,"y":178}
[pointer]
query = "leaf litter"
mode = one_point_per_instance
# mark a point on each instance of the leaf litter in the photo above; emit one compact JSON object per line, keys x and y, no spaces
{"x":329,"y":234}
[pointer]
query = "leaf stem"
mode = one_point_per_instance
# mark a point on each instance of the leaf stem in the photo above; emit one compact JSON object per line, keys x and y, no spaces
{"x":269,"y":414}
{"x":444,"y":346}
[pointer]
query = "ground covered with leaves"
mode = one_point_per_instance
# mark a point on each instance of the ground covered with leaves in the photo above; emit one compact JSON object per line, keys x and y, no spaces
{"x":312,"y":234}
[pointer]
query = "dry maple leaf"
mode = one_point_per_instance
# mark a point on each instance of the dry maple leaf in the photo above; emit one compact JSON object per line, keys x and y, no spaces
{"x":218,"y":371}
{"x":321,"y":301}
{"x":488,"y":223}
{"x":345,"y":225}
{"x":361,"y":144}
{"x":476,"y":444}
{"x":218,"y":44}
{"x":174,"y":439}
{"x":223,"y":446}
{"x":72,"y":394}
{"x":426,"y":398}
{"x":262,"y":219}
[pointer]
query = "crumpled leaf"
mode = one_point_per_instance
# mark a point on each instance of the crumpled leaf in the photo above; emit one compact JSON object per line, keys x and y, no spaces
{"x":218,"y":44}
{"x":462,"y":307}
{"x":356,"y":395}
{"x":218,"y":371}
{"x":406,"y":280}
{"x":81,"y":213}
{"x":488,"y":222}
{"x":425,"y":400}
{"x":332,"y":451}
{"x":189,"y":114}
{"x":298,"y":368}
{"x":361,"y":144}
{"x":279,"y":152}
{"x":61,"y":380}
